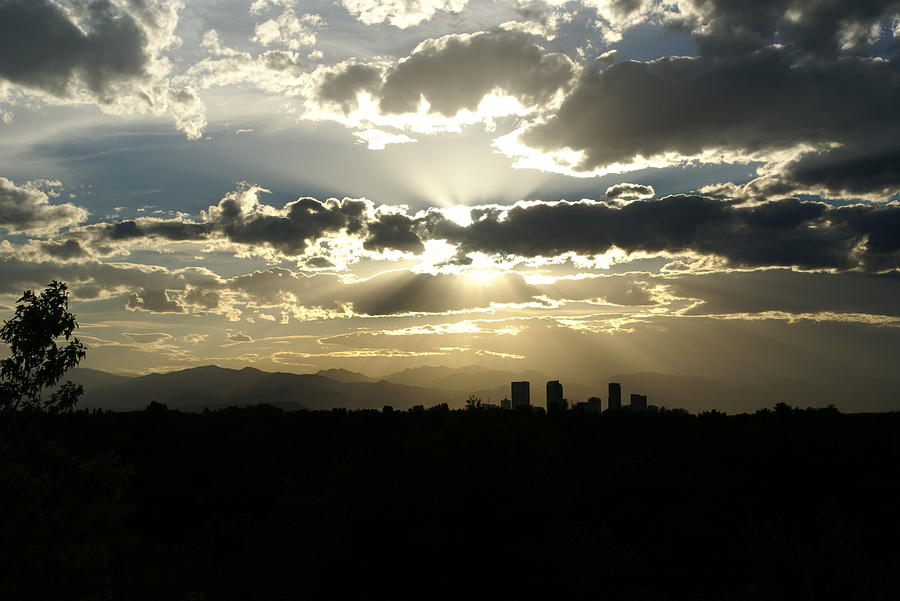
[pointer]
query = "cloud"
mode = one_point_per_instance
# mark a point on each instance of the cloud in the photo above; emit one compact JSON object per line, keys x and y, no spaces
{"x":623,"y":290}
{"x":733,"y":108}
{"x":377,"y":139}
{"x":865,"y":170}
{"x":400,"y":13}
{"x":195,"y":338}
{"x":778,"y":233}
{"x":278,"y":72}
{"x":43,"y":48}
{"x":154,"y":300}
{"x":242,"y":219}
{"x":149,"y":338}
{"x":443,"y":83}
{"x":400,"y":292}
{"x":807,"y":87}
{"x":537,"y":19}
{"x":455,"y":72}
{"x":27,"y":210}
{"x":113,"y":238}
{"x":393,"y":231}
{"x":259,"y":6}
{"x":788,"y":292}
{"x":815,"y":28}
{"x":289,"y":30}
{"x":232,"y":336}
{"x":789,"y":232}
{"x":153,"y":288}
{"x":354,"y":227}
{"x":388,"y":293}
{"x":341,"y":85}
{"x":626,"y":191}
{"x":102,"y":53}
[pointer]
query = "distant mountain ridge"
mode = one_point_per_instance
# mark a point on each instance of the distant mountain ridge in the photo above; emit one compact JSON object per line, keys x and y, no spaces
{"x":94,"y":378}
{"x":344,"y":375}
{"x":468,"y":378}
{"x":212,"y":387}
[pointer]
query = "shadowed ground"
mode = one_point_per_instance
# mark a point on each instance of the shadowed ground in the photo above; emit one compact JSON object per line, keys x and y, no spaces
{"x":257,"y":503}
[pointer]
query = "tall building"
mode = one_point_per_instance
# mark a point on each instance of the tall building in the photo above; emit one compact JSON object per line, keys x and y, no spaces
{"x":555,"y":398}
{"x":638,"y":402}
{"x":521,"y":395}
{"x":615,"y":395}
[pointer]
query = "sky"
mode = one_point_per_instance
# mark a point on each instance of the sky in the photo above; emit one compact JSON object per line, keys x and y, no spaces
{"x":690,"y":187}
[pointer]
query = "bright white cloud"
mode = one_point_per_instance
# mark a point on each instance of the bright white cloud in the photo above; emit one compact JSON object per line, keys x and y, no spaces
{"x":400,"y":13}
{"x":289,"y":30}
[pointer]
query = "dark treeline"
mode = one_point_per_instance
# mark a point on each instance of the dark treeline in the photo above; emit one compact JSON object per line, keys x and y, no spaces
{"x":257,"y":503}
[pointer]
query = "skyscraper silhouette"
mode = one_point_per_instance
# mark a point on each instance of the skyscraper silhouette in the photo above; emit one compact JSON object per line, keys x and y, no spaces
{"x":615,"y":395}
{"x":555,"y":396}
{"x":521,"y":395}
{"x":638,"y":402}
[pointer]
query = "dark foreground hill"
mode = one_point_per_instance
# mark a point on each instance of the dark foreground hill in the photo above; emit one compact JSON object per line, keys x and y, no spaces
{"x":257,"y":503}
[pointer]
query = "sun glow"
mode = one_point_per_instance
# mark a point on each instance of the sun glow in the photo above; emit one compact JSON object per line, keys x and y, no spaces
{"x":460,"y":214}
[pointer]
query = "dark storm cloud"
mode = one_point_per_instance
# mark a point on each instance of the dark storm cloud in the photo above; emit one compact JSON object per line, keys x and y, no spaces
{"x":819,"y":28}
{"x":788,"y":232}
{"x":97,"y":51}
{"x":241,"y":219}
{"x":454,"y":73}
{"x":288,"y":231}
{"x":42,"y":48}
{"x":748,"y":104}
{"x":103,"y":239}
{"x":67,"y":250}
{"x":871,"y":169}
{"x":393,"y":231}
{"x":173,"y":230}
{"x":300,"y":222}
{"x":342,"y":85}
{"x":770,"y":75}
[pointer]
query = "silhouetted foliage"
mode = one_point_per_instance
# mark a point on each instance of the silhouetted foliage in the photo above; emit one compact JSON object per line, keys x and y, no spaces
{"x":37,"y":362}
{"x":257,"y":503}
{"x":473,"y":403}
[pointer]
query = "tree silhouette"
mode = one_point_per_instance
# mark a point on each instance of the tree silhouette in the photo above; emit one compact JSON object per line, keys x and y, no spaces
{"x":37,"y":361}
{"x":473,"y":403}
